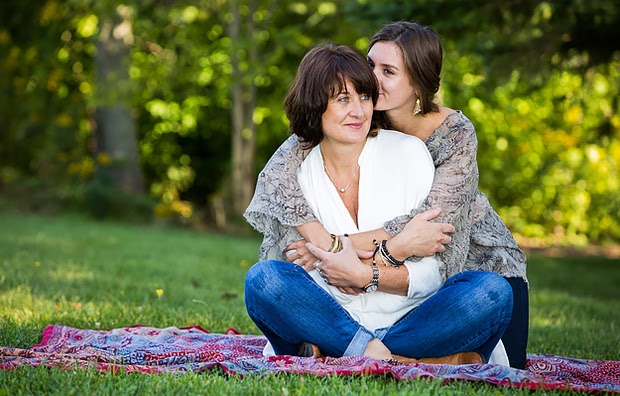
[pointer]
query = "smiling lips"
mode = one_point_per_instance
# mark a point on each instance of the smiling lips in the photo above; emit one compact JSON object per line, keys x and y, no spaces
{"x":355,"y":125}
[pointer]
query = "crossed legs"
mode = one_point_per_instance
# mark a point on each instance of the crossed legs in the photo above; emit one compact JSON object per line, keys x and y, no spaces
{"x":469,"y":313}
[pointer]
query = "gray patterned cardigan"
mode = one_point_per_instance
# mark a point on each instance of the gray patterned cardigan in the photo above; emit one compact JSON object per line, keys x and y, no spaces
{"x":481,"y":243}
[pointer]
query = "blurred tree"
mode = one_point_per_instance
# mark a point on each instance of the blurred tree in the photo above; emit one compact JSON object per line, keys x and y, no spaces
{"x":244,"y":29}
{"x":116,"y":133}
{"x":205,"y":60}
{"x":524,"y":34}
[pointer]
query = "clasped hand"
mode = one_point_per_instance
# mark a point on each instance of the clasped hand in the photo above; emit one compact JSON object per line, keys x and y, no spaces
{"x":344,"y":269}
{"x":423,"y":238}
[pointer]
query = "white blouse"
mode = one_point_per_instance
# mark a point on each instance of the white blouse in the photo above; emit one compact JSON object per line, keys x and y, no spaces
{"x":383,"y":194}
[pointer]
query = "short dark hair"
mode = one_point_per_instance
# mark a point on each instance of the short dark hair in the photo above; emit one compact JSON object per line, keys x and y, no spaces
{"x":422,"y":55}
{"x":322,"y":74}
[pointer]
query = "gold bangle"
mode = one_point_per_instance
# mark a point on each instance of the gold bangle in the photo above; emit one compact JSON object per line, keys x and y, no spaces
{"x":336,"y":244}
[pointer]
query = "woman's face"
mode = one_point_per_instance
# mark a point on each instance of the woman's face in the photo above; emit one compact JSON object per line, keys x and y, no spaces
{"x":347,"y":117}
{"x":395,"y":88}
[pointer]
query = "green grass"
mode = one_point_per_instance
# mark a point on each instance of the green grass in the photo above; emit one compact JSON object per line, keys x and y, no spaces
{"x":68,"y":270}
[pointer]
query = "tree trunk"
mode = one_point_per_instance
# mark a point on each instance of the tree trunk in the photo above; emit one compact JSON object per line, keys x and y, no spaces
{"x":244,"y":97}
{"x":116,"y":133}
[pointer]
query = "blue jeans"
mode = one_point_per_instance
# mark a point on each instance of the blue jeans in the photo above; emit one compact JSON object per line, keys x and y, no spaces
{"x":469,"y":313}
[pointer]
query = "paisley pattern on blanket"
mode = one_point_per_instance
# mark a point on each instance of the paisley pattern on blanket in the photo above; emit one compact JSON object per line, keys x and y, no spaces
{"x":193,"y":349}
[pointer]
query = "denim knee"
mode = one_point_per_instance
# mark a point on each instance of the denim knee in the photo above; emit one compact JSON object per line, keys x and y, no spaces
{"x":499,"y":295}
{"x":490,"y":294}
{"x":256,"y":272}
{"x":262,"y":278}
{"x":499,"y":290}
{"x":270,"y":280}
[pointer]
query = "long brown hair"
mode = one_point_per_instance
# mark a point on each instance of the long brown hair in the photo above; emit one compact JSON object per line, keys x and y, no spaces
{"x":422,"y":56}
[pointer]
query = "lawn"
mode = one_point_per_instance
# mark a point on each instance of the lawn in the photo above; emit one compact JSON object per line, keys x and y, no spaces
{"x":73,"y":271}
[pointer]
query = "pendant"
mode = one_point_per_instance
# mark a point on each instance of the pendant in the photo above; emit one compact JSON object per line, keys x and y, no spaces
{"x":342,"y":190}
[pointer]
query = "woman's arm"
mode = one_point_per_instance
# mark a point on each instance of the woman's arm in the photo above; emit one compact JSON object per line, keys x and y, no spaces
{"x":278,"y":201}
{"x":454,"y":189}
{"x":345,"y":270}
{"x":420,"y":236}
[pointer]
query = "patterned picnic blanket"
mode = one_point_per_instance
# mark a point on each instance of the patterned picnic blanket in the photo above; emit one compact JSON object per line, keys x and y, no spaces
{"x":193,"y":349}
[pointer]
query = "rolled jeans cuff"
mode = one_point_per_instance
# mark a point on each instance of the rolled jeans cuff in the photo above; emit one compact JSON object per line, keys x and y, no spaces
{"x":358,"y":344}
{"x":380,"y":333}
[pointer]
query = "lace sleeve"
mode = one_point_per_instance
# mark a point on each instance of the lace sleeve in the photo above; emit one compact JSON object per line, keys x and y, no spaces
{"x":278,"y":203}
{"x":454,"y":189}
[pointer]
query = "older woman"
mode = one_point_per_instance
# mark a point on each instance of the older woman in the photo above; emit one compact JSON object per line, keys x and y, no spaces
{"x":354,"y":179}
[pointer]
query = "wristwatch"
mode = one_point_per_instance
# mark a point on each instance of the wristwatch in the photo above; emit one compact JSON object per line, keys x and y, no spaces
{"x":374,"y":282}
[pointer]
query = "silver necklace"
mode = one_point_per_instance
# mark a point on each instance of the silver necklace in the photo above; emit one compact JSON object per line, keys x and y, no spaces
{"x":342,"y":190}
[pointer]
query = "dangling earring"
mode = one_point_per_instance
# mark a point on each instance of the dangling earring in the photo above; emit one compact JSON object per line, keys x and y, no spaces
{"x":417,"y":109}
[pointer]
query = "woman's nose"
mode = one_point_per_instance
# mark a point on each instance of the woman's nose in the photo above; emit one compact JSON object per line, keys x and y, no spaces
{"x":357,"y":110}
{"x":375,"y":70}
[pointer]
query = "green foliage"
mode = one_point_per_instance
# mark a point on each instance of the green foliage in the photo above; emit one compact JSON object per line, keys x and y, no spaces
{"x":44,"y":114}
{"x":559,"y":138}
{"x":539,"y":80}
{"x":76,"y":272}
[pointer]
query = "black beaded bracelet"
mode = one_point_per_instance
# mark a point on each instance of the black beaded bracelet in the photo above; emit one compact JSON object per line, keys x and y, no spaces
{"x":386,"y":254}
{"x":374,"y":261}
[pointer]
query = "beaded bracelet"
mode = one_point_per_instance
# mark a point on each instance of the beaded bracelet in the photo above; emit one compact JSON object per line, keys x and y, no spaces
{"x":377,"y":249}
{"x":374,"y":254}
{"x":386,"y":255}
{"x":385,"y":260}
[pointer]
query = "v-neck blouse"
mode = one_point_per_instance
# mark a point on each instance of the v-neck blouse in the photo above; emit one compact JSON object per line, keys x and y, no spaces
{"x":396,"y":174}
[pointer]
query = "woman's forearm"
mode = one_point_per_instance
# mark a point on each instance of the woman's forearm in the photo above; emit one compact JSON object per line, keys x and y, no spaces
{"x":421,"y":237}
{"x":364,"y":240}
{"x":393,"y":280}
{"x":315,"y":233}
{"x":344,"y":269}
